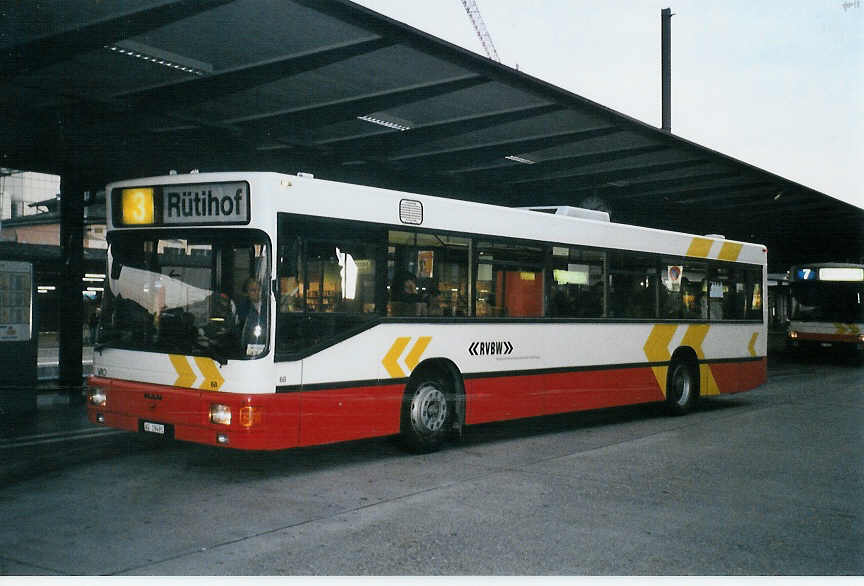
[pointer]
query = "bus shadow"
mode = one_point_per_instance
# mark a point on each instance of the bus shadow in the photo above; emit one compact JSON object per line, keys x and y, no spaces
{"x":251,"y":466}
{"x":585,"y":421}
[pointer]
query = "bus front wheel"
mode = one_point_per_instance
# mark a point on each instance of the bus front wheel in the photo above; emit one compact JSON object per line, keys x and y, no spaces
{"x":427,"y":414}
{"x":682,"y":387}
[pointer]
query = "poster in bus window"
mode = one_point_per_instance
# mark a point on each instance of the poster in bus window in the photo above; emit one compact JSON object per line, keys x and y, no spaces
{"x":674,"y":274}
{"x":425,"y":263}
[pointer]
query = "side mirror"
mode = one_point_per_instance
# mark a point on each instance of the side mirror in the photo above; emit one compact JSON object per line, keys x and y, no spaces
{"x":116,"y":267}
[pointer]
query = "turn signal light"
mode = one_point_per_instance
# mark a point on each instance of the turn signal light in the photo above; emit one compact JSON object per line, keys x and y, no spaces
{"x":246,"y":416}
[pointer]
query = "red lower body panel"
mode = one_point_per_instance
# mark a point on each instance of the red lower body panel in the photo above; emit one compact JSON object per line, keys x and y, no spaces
{"x":751,"y":374}
{"x":349,"y":413}
{"x":305,"y":418}
{"x":275,"y":418}
{"x":519,"y":396}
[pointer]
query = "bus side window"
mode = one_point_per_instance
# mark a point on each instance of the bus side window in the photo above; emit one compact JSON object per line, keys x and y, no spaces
{"x":684,"y":290}
{"x":509,"y":279}
{"x":427,"y":274}
{"x":576,"y":288}
{"x":632,"y":286}
{"x":290,"y":277}
{"x":753,"y":296}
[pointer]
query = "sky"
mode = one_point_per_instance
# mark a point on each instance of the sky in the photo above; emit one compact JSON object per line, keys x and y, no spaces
{"x":776,"y":84}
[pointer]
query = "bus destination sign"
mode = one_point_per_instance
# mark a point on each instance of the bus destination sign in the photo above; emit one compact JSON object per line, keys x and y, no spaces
{"x":206,"y":203}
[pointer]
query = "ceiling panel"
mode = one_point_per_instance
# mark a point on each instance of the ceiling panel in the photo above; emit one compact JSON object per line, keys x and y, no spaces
{"x":98,"y":90}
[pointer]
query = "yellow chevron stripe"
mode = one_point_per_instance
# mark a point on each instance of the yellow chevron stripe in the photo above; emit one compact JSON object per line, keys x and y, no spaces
{"x":751,"y":347}
{"x":212,"y":378}
{"x":185,"y":375}
{"x":657,"y":350}
{"x":390,"y":360}
{"x":417,"y":351}
{"x":700,"y":247}
{"x":707,"y":383}
{"x":730,"y":251}
{"x":694,"y":337}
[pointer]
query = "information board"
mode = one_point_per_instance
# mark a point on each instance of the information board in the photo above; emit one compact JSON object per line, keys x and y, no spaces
{"x":16,"y":301}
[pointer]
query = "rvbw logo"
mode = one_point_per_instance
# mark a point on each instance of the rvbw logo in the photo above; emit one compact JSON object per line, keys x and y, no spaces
{"x":492,"y":347}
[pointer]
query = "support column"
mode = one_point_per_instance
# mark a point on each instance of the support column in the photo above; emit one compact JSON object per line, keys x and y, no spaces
{"x":71,"y":311}
{"x":666,"y":69}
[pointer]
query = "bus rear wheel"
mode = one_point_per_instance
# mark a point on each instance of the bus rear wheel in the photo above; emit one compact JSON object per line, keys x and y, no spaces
{"x":427,"y":414}
{"x":682,"y":387}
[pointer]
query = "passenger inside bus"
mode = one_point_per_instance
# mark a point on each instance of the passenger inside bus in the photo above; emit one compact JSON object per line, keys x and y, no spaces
{"x":290,"y":295}
{"x":405,"y":299}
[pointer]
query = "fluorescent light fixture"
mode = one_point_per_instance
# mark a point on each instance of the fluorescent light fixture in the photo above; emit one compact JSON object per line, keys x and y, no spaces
{"x":518,"y":159}
{"x":400,"y":125}
{"x":161,"y":57}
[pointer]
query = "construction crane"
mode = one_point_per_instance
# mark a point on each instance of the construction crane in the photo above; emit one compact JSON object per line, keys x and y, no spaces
{"x":480,"y":28}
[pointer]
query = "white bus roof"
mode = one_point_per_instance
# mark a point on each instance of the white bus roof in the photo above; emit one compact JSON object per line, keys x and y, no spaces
{"x":305,"y":195}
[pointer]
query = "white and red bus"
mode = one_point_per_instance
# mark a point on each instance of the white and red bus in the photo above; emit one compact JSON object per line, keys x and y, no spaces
{"x":377,"y":312}
{"x":827,"y":308}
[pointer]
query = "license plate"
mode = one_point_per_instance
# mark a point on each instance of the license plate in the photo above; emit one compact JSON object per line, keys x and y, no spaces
{"x":826,"y":344}
{"x":154,"y":427}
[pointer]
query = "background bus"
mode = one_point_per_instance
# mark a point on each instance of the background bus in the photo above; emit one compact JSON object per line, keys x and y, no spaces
{"x":266,"y":311}
{"x":827,"y":308}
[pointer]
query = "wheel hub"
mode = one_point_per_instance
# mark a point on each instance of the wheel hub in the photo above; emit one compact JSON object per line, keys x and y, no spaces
{"x":428,"y":409}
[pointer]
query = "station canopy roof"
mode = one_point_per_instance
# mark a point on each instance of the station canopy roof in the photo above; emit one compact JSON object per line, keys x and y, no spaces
{"x":100,"y":90}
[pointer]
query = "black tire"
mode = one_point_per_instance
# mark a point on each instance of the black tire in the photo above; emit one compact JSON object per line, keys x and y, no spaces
{"x":682,"y":387}
{"x":427,"y":413}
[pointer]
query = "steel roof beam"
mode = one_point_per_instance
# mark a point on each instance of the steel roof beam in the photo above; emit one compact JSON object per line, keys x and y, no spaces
{"x":62,"y":46}
{"x":720,"y":192}
{"x":443,"y":158}
{"x":791,"y":205}
{"x":350,"y":108}
{"x":669,"y":186}
{"x":599,"y":178}
{"x":544,"y":168}
{"x":190,"y":92}
{"x":386,"y":143}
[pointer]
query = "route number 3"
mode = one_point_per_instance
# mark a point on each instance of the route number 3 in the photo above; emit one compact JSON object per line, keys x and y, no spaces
{"x":138,"y":205}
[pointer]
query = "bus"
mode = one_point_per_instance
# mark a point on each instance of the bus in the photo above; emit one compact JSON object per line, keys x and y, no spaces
{"x":264,"y":311}
{"x":827,"y":308}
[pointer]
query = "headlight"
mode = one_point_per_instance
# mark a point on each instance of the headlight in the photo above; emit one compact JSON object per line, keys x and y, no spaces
{"x":97,"y":396}
{"x":793,"y":335}
{"x":220,"y":414}
{"x":861,"y":337}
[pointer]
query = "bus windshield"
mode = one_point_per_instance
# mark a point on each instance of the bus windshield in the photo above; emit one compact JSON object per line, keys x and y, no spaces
{"x":828,"y":301}
{"x":203,"y":293}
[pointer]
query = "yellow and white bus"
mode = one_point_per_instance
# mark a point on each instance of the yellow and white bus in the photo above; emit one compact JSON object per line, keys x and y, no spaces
{"x":827,"y":308}
{"x":268,"y":311}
